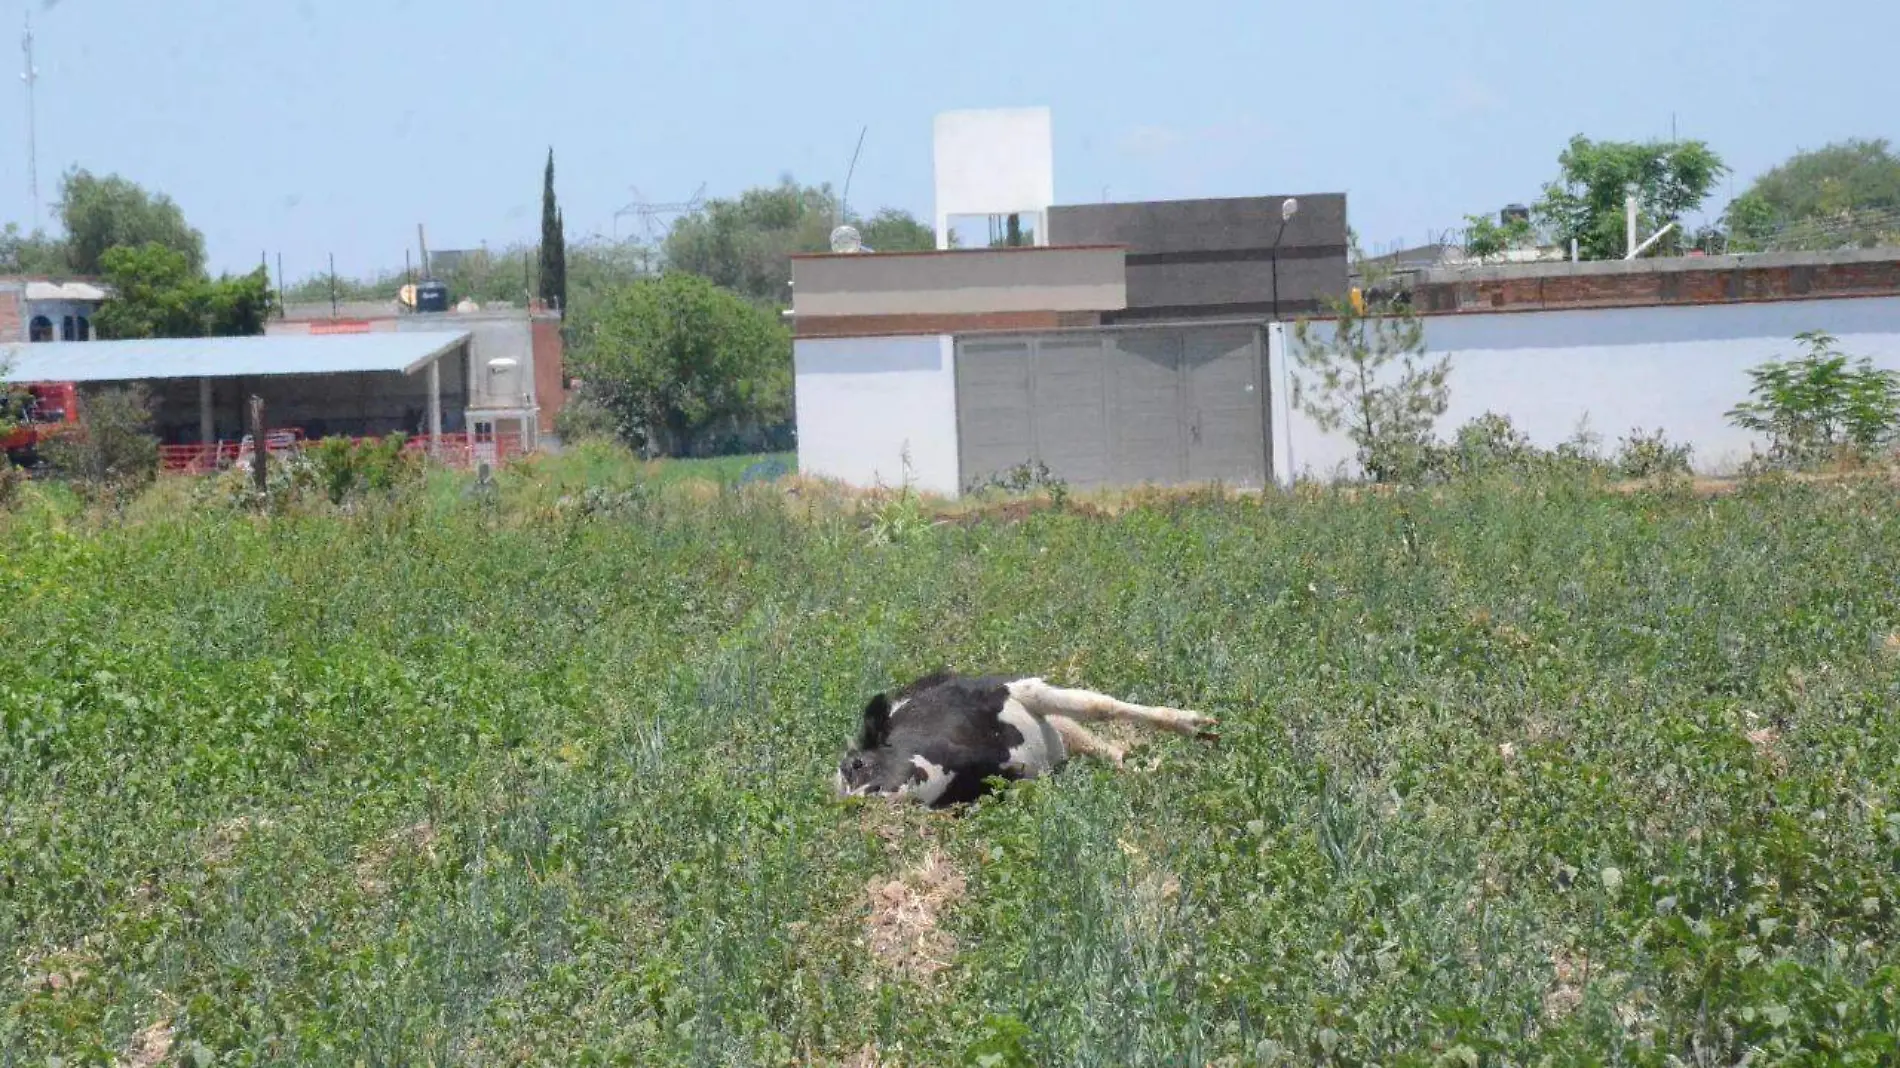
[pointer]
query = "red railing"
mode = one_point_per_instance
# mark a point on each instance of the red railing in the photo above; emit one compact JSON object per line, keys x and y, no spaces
{"x":453,"y":450}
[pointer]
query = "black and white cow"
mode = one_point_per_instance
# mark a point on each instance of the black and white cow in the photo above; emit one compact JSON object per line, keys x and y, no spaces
{"x":939,"y":739}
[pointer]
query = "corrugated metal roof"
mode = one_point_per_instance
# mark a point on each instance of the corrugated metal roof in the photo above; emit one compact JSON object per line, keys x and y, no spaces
{"x":225,"y":357}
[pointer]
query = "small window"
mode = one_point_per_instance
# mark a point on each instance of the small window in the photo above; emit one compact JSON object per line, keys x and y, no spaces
{"x":85,"y":329}
{"x":41,"y":329}
{"x":69,"y":329}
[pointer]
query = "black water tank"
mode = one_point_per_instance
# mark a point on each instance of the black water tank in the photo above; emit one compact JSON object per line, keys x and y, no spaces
{"x":1513,"y":211}
{"x":432,"y":297}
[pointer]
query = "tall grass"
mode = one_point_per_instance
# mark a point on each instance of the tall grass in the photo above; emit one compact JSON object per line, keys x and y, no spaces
{"x":540,"y":775}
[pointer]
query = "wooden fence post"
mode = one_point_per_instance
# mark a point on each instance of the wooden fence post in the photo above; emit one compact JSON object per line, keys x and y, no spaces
{"x":258,"y":449}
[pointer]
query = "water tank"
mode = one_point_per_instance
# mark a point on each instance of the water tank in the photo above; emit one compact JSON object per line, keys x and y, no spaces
{"x":432,"y":296}
{"x":1513,"y":211}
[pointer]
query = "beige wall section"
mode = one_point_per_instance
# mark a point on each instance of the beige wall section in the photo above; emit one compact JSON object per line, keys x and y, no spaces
{"x":960,"y":282}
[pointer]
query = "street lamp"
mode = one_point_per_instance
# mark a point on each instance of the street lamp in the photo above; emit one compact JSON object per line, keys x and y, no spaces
{"x":1288,"y":208}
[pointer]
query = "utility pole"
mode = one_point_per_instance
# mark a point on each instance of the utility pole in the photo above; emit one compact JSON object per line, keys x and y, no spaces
{"x":31,"y":75}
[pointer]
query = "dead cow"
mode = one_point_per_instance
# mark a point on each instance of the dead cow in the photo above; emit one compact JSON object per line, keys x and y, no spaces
{"x":940,"y":739}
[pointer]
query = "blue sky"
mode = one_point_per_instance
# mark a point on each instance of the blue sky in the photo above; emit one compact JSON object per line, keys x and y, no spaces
{"x":308,"y":127}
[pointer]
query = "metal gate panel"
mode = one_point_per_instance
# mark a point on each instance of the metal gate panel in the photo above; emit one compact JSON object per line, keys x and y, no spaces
{"x":1147,"y":407}
{"x":993,"y":407}
{"x":1115,"y":407}
{"x":1068,"y":388}
{"x":1226,"y":424}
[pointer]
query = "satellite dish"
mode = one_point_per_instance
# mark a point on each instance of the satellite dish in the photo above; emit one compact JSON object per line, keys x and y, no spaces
{"x":407,"y":295}
{"x":1287,"y":208}
{"x":846,"y":239}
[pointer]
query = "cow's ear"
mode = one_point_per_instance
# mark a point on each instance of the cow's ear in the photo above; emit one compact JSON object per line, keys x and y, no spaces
{"x":876,"y":728}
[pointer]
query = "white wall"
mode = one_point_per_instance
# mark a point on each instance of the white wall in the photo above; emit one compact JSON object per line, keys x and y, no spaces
{"x":862,"y":401}
{"x":1676,"y":368}
{"x":994,"y":162}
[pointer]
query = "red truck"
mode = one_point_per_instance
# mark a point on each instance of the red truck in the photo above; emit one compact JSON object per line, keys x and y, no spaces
{"x":38,"y":410}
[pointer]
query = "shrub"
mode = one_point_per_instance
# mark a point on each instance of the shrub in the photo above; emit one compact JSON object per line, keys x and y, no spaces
{"x":346,"y":468}
{"x":12,"y":481}
{"x":1492,"y":445}
{"x":113,"y":449}
{"x":1026,"y":477}
{"x":585,"y":418}
{"x":1649,"y":455}
{"x":1816,"y":408}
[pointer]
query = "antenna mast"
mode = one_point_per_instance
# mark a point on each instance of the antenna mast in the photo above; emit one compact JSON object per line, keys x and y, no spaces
{"x":31,"y":75}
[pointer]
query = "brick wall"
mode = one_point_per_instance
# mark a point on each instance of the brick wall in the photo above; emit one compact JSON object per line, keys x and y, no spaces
{"x":1722,"y":280}
{"x":550,"y":372}
{"x":11,"y":327}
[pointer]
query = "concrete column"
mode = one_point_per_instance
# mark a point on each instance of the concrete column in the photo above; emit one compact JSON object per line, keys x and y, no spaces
{"x":435,"y":406}
{"x":206,"y":425}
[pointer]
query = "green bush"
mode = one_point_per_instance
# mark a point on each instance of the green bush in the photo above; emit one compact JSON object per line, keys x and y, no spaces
{"x":113,"y":449}
{"x":1817,"y":408}
{"x":346,"y":468}
{"x":1651,"y":455}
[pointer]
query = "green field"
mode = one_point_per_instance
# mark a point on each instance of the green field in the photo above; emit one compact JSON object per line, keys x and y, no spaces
{"x":1509,"y":774}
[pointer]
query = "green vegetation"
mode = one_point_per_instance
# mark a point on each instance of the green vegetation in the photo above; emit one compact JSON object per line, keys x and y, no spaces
{"x":157,"y":293}
{"x":1842,"y":194}
{"x":1344,"y":382}
{"x":541,"y":774}
{"x":113,"y":451}
{"x":684,"y":368}
{"x":1817,"y":409}
{"x":1586,"y":203}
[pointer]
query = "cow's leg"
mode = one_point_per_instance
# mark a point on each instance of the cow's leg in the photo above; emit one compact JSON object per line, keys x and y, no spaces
{"x":1087,"y":705}
{"x":1079,"y":740}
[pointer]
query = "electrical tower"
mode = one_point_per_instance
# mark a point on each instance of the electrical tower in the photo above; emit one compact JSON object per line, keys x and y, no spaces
{"x":30,"y":75}
{"x":650,"y":212}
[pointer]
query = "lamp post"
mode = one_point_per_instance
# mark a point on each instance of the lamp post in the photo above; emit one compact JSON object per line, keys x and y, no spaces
{"x":1288,"y":208}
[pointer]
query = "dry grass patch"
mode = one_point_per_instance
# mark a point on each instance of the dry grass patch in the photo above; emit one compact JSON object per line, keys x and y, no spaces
{"x":149,"y":1047}
{"x":1566,"y":993}
{"x":372,"y":863}
{"x":903,"y":928}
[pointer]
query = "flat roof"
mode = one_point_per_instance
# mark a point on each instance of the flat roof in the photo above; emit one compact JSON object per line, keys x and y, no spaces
{"x":225,"y":357}
{"x":955,"y":251}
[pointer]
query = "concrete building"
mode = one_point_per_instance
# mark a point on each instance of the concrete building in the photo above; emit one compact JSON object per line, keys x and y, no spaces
{"x":1222,"y":258}
{"x":516,"y":380}
{"x":1124,"y":344}
{"x":38,"y":310}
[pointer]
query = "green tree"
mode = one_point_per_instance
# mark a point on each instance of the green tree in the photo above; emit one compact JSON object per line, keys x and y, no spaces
{"x":1485,"y":237}
{"x":103,"y":213}
{"x":1586,"y":203}
{"x":678,"y":361}
{"x":553,"y":244}
{"x":746,"y":244}
{"x":156,"y":293}
{"x":894,"y":230}
{"x":1389,"y":418}
{"x":35,"y":254}
{"x":1846,"y":193}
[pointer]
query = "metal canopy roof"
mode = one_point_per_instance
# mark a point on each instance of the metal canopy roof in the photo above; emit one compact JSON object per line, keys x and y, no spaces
{"x":225,"y":357}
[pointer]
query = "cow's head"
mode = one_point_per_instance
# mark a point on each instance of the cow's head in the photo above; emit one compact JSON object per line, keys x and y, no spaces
{"x":872,"y":767}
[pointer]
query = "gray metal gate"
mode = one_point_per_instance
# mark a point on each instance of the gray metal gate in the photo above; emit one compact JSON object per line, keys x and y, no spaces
{"x":1116,"y":406}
